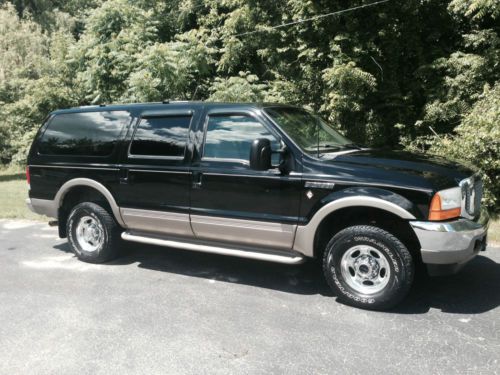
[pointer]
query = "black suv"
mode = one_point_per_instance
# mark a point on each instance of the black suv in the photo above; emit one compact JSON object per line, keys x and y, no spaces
{"x":260,"y":181}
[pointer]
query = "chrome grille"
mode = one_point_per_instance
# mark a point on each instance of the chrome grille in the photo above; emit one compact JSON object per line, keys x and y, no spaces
{"x":478,"y":196}
{"x":472,"y":193}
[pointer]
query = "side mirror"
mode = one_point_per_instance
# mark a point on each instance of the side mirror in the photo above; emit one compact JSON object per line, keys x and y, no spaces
{"x":260,"y":154}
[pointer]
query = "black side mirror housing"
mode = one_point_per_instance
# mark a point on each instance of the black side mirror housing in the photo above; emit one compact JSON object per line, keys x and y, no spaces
{"x":260,"y":154}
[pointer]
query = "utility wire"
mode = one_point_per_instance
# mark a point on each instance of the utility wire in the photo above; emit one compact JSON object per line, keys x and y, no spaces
{"x":314,"y":18}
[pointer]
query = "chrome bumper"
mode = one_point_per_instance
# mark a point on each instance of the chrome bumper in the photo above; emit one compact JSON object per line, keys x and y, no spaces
{"x":451,"y":243}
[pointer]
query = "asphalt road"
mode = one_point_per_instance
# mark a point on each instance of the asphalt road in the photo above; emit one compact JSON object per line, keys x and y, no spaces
{"x":165,"y":311}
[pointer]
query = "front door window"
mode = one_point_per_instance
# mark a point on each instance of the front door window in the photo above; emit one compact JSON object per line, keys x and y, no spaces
{"x":229,"y":137}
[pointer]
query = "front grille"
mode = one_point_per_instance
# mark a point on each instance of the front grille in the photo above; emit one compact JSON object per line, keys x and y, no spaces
{"x":478,"y":196}
{"x":472,"y":193}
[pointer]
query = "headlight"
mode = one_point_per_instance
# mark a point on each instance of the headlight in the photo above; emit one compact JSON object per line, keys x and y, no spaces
{"x":446,"y":204}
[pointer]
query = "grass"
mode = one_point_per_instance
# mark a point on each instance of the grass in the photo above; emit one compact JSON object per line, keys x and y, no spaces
{"x":494,"y":232}
{"x":13,"y":194}
{"x":14,"y":191}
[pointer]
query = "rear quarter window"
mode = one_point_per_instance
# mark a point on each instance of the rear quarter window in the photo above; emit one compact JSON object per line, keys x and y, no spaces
{"x":84,"y":133}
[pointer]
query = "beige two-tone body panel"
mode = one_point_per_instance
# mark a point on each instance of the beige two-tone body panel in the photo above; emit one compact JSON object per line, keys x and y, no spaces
{"x":296,"y":239}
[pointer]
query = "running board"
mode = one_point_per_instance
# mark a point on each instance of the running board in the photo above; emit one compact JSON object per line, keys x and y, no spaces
{"x":293,"y":258}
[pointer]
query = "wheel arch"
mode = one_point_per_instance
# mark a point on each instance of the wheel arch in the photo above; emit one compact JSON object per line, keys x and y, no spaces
{"x":350,"y":210}
{"x":76,"y":184}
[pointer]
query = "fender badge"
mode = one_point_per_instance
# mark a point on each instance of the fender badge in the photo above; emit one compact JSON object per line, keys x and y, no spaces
{"x":309,"y":194}
{"x":319,"y":185}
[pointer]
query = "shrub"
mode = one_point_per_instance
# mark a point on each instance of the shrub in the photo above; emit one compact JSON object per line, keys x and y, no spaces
{"x":476,"y":141}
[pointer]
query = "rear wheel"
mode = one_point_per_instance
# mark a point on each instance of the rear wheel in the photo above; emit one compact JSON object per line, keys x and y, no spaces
{"x":93,"y":233}
{"x":368,"y":267}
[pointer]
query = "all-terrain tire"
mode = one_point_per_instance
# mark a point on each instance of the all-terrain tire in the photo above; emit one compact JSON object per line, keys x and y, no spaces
{"x":343,"y":274}
{"x":107,"y":243}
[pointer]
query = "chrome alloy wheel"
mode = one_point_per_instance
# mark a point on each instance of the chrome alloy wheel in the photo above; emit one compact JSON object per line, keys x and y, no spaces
{"x":89,"y":234}
{"x":365,"y":269}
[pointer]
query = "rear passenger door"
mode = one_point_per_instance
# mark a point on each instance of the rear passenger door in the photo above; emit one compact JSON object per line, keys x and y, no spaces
{"x":155,"y":175}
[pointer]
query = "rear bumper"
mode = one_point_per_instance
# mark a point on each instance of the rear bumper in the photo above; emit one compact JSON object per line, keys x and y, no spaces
{"x":42,"y":207}
{"x":447,"y":246}
{"x":30,"y":206}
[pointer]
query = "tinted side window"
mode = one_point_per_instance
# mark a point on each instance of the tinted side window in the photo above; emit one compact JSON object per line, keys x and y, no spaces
{"x":83,"y":134}
{"x":161,"y":136}
{"x":230,"y":137}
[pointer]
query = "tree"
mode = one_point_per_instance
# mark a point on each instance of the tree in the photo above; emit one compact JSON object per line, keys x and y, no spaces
{"x":393,"y":74}
{"x":476,"y":141}
{"x":105,"y":55}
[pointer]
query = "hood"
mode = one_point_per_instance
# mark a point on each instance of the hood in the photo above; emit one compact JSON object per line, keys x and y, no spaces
{"x":400,"y":168}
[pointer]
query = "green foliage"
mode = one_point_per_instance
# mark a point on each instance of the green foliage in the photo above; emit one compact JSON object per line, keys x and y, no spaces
{"x":168,"y":70}
{"x":391,"y":75}
{"x":50,"y":14}
{"x":32,"y":80}
{"x":42,"y":96}
{"x":464,"y":74}
{"x":23,"y":47}
{"x":476,"y":141}
{"x":477,"y":9}
{"x":105,"y":55}
{"x":245,"y":87}
{"x":462,"y":112}
{"x":348,"y":87}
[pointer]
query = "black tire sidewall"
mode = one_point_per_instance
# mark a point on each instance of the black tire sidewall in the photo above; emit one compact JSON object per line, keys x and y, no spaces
{"x":401,"y":272}
{"x":81,"y":210}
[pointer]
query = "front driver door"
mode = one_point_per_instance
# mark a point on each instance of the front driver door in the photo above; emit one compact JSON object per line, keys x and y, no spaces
{"x":229,"y":201}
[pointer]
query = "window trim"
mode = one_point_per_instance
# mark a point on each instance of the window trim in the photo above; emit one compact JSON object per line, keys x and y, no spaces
{"x":160,"y":114}
{"x":225,"y":160}
{"x":227,"y":112}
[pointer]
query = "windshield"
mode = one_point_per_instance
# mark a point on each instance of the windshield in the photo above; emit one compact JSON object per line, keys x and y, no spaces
{"x":309,"y":132}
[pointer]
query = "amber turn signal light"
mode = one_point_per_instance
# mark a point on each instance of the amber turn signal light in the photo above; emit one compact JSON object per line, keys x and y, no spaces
{"x":437,"y":213}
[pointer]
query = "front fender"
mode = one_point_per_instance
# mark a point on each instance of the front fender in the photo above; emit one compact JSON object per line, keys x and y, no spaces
{"x":369,"y":192}
{"x":352,"y":197}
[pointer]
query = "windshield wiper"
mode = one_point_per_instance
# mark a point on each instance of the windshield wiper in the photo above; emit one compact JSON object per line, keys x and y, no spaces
{"x":322,"y":147}
{"x":352,"y":145}
{"x":327,"y":145}
{"x":327,"y":148}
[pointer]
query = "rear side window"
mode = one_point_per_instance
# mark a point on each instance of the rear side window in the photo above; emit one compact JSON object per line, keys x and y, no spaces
{"x":161,"y":136}
{"x":83,"y":134}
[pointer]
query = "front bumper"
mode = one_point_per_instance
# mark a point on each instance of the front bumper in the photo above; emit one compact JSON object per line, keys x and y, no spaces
{"x":451,"y":244}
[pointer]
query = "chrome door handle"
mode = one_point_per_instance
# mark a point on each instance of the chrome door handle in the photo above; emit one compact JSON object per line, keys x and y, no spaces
{"x":197,"y":180}
{"x":124,"y":177}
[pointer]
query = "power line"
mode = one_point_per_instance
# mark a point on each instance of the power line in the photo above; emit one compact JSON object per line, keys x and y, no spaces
{"x":315,"y":17}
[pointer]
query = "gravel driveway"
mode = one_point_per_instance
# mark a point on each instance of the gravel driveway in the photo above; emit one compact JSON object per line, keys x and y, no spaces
{"x":159,"y":311}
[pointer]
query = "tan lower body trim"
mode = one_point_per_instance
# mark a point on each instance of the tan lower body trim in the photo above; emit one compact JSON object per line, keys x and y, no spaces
{"x":262,"y":233}
{"x":255,"y":233}
{"x":157,"y":221}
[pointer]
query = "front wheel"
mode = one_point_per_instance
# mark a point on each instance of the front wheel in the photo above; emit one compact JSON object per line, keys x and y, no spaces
{"x":368,"y":267}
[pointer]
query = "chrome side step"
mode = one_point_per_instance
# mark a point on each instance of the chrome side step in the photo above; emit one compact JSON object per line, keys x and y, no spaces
{"x":293,"y":258}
